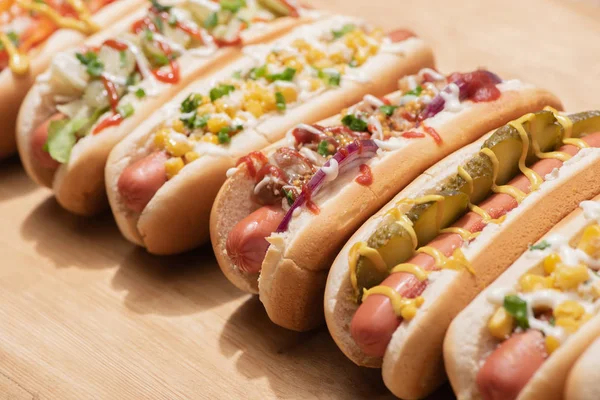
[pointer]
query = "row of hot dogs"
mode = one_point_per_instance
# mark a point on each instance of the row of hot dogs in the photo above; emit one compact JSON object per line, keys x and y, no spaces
{"x":387,"y":219}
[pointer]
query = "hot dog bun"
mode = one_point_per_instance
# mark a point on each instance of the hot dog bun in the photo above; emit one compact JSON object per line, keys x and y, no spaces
{"x":177,"y":217}
{"x":79,"y":184}
{"x":583,"y":380}
{"x":468,"y":341}
{"x":15,"y":87}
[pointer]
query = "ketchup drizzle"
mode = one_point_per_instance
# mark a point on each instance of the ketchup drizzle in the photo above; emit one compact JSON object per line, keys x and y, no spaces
{"x":250,"y":159}
{"x":366,"y":176}
{"x":433,"y":133}
{"x":312,"y":207}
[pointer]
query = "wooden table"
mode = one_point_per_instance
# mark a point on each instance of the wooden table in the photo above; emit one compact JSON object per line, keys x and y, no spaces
{"x":84,"y":314}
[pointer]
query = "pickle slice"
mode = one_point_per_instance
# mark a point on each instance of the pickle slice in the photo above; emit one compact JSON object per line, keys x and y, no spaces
{"x":585,"y":122}
{"x":481,"y":171}
{"x":394,"y":244}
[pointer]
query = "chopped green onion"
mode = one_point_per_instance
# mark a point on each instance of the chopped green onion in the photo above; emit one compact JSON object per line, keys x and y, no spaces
{"x":258,"y":72}
{"x":94,"y":67}
{"x":140,"y":93}
{"x":126,"y":110}
{"x":232,"y":5}
{"x":159,"y":7}
{"x":331,"y":78}
{"x":287,"y":75}
{"x":223,"y":135}
{"x":517,"y":307}
{"x":280,"y":101}
{"x":345,"y":29}
{"x":220,"y":91}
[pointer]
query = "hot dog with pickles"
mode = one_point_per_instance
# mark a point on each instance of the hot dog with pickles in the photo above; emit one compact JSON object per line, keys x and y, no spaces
{"x":400,"y":280}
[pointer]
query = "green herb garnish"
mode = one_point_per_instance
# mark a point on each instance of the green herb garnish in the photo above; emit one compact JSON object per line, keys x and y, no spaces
{"x":517,"y":307}
{"x":223,"y":135}
{"x":140,"y":93}
{"x":232,"y":5}
{"x":149,"y":35}
{"x":159,"y":7}
{"x":540,"y":246}
{"x":289,"y":196}
{"x":323,"y":148}
{"x":354,"y":123}
{"x":94,"y":67}
{"x":125,"y":110}
{"x":388,"y":110}
{"x":191,"y":103}
{"x":220,"y":91}
{"x":258,"y":72}
{"x":287,"y":75}
{"x":237,"y":74}
{"x":331,"y":77}
{"x":415,"y":92}
{"x":123,"y":58}
{"x":345,"y":29}
{"x":211,"y":21}
{"x":280,"y":101}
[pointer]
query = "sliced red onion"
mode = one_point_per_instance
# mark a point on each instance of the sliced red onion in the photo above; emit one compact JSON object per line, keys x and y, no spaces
{"x":355,"y":153}
{"x":438,"y":102}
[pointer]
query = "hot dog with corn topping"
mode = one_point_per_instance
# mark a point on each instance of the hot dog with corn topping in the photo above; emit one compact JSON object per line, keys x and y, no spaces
{"x":92,"y":97}
{"x":326,"y":179}
{"x":307,"y":75}
{"x":522,"y":336}
{"x":399,"y":281}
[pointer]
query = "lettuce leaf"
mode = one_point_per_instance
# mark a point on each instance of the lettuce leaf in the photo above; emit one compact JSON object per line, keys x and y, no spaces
{"x":62,"y":137}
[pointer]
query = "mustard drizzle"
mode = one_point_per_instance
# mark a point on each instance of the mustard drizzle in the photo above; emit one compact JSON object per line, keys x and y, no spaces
{"x":19,"y":62}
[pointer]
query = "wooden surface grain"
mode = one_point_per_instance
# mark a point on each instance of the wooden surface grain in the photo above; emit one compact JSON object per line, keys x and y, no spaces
{"x":84,"y":314}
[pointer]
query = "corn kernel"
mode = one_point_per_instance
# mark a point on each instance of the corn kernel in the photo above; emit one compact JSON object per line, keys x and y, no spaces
{"x":272,"y":58}
{"x":191,"y":156}
{"x":176,"y":147}
{"x":205,"y":100}
{"x":210,"y":138}
{"x":501,"y":324}
{"x":550,"y":262}
{"x":552,"y":344}
{"x":314,"y":55}
{"x":360,"y":57}
{"x":206,"y":109}
{"x":531,"y":282}
{"x":178,"y":126}
{"x":223,"y":107}
{"x":570,"y":277}
{"x":596,"y":289}
{"x":300,"y":44}
{"x":161,"y":138}
{"x":337,"y":58}
{"x":570,"y":309}
{"x":590,"y":241}
{"x":323,"y":63}
{"x":570,"y":325}
{"x":254,"y":107}
{"x":294,"y":63}
{"x":315,"y":84}
{"x":214,"y":125}
{"x":289,"y":93}
{"x":173,"y":166}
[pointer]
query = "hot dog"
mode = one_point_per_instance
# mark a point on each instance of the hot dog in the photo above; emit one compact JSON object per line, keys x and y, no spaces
{"x":33,"y":31}
{"x":417,"y":262}
{"x":307,"y":75}
{"x":377,"y":310}
{"x":117,"y":78}
{"x":332,"y":176}
{"x":529,"y":328}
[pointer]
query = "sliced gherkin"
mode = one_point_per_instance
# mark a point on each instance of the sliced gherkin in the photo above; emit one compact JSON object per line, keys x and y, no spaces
{"x":480,"y":169}
{"x":585,"y":122}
